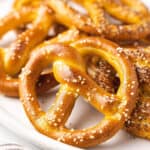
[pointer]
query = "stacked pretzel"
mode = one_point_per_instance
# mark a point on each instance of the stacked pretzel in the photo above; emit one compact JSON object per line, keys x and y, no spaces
{"x":113,"y":76}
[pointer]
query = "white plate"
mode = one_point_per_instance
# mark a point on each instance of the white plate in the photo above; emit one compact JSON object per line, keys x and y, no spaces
{"x":13,"y":118}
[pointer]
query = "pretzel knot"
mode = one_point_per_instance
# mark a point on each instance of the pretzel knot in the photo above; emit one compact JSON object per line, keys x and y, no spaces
{"x":70,"y":71}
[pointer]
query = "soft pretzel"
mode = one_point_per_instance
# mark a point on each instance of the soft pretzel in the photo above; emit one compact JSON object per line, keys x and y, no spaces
{"x":70,"y":70}
{"x":97,"y":22}
{"x":104,"y":75}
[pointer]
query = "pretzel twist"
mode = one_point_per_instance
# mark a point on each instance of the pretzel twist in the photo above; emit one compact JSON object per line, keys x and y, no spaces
{"x":69,"y":70}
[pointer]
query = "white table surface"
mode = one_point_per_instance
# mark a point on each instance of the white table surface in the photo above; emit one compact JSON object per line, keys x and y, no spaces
{"x":15,"y":127}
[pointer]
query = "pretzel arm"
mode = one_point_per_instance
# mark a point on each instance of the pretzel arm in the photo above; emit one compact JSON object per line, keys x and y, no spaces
{"x":16,"y":19}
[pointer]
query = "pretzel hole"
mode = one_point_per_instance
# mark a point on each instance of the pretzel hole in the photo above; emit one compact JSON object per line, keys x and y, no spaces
{"x":81,"y":111}
{"x":48,"y":98}
{"x":8,"y":38}
{"x":55,"y":30}
{"x":74,"y":121}
{"x":77,"y":7}
{"x":111,"y":19}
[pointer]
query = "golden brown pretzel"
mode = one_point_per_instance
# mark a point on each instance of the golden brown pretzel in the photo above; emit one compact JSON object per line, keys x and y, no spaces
{"x":69,"y":70}
{"x":104,"y":75}
{"x":97,"y":22}
{"x":138,"y":124}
